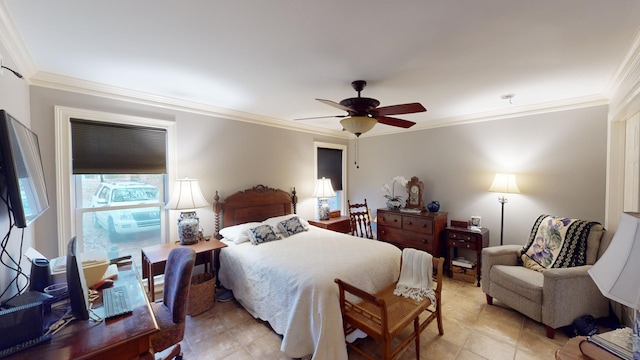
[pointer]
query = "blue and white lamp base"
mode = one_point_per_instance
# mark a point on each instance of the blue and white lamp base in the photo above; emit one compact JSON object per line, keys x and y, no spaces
{"x":188,"y":225}
{"x":324,"y":210}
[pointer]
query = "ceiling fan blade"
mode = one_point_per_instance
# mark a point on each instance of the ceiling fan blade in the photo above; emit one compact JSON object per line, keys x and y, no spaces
{"x":400,"y":109}
{"x":395,"y":122}
{"x":336,"y":105}
{"x":322,"y":117}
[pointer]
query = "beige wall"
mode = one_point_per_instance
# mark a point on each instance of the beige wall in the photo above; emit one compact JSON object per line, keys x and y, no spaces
{"x":14,"y":98}
{"x":225,"y":155}
{"x":559,"y":159}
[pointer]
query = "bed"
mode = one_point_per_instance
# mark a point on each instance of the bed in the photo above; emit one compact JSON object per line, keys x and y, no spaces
{"x":289,"y":282}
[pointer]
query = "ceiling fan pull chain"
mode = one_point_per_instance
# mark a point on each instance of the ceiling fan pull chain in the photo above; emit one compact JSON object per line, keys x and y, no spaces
{"x":357,"y":153}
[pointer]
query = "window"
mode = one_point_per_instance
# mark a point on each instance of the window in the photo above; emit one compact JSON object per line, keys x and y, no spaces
{"x":107,"y":206}
{"x":331,"y":162}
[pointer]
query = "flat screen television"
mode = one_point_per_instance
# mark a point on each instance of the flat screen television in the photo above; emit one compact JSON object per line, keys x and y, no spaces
{"x":21,"y":165}
{"x":76,"y":283}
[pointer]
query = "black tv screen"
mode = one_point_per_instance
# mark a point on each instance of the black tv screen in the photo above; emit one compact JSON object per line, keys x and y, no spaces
{"x":21,"y":166}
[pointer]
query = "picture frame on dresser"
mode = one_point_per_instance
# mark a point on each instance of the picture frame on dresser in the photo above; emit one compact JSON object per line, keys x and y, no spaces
{"x":415,"y":189}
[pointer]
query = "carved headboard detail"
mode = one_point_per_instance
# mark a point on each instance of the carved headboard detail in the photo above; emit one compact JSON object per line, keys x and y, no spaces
{"x":256,"y":204}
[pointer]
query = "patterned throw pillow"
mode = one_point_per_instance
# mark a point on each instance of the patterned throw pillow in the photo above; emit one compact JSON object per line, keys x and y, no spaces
{"x":291,"y":226}
{"x":261,"y":234}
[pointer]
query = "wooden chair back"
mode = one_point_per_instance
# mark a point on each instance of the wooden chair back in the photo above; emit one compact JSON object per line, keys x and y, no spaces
{"x":360,"y":220}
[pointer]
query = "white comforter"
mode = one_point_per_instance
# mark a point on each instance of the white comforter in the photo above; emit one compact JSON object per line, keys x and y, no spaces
{"x":290,"y":284}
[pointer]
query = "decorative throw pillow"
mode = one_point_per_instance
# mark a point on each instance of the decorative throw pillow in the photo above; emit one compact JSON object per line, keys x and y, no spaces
{"x":261,"y":234}
{"x":276,"y":219}
{"x":238,"y":233}
{"x":556,"y":242}
{"x":290,"y":226}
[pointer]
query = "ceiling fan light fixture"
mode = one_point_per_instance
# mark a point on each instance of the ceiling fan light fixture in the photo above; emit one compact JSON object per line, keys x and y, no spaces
{"x":358,"y":125}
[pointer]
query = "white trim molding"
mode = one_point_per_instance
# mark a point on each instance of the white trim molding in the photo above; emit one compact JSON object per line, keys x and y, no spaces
{"x":66,"y":197}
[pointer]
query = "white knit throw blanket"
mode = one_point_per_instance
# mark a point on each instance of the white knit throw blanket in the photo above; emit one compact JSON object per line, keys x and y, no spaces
{"x":415,"y":276}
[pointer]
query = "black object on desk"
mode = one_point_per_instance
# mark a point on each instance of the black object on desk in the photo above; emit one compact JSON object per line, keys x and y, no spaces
{"x":20,"y":325}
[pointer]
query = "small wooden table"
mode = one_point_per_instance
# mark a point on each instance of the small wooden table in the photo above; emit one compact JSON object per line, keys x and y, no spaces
{"x":154,"y":259}
{"x":463,"y":238}
{"x":340,"y":224}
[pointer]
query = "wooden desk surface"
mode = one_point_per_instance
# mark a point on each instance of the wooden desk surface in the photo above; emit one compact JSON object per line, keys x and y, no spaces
{"x":159,"y":253}
{"x":122,"y":337}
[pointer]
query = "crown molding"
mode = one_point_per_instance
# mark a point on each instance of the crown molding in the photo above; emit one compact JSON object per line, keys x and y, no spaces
{"x":12,"y":41}
{"x":514,"y":112}
{"x":58,"y":82}
{"x":624,"y":89}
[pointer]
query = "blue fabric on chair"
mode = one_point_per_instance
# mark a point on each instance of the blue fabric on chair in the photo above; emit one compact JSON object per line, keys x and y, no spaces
{"x":171,"y":313}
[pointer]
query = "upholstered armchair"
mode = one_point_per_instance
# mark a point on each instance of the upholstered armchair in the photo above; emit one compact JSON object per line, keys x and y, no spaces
{"x":552,"y":296}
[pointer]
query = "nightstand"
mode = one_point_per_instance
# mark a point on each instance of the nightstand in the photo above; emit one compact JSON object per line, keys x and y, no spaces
{"x":463,"y":238}
{"x":339,"y":224}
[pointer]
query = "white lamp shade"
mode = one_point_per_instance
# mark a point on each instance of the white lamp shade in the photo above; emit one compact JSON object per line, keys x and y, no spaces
{"x":324,"y":189}
{"x":358,"y":125}
{"x":186,"y":195}
{"x":505,"y":184}
{"x":617,"y":272}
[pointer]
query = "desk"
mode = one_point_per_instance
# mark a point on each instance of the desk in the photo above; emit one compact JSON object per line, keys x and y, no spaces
{"x":124,"y":337}
{"x":154,"y":259}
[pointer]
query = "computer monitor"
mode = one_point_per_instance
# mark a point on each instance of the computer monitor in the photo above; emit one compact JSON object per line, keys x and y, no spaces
{"x":76,"y":283}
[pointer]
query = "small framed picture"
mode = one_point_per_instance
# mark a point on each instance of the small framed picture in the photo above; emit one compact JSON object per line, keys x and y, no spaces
{"x":476,"y":221}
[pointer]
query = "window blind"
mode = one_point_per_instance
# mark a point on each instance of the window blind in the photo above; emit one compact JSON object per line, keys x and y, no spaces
{"x":330,"y":166}
{"x":109,"y":148}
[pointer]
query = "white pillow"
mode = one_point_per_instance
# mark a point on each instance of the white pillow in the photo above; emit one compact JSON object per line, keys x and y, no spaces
{"x":237,"y":233}
{"x":273,"y":222}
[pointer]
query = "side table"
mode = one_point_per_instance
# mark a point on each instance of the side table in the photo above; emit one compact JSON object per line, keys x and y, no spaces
{"x":463,"y":238}
{"x":154,"y":259}
{"x":340,"y":224}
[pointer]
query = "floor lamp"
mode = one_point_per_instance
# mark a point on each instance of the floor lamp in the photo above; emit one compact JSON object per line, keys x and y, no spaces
{"x":504,"y":184}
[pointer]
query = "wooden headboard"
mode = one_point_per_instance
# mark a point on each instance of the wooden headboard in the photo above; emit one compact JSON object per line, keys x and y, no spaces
{"x":256,"y":204}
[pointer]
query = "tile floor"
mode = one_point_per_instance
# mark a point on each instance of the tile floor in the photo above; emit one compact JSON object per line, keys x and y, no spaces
{"x":473,"y":330}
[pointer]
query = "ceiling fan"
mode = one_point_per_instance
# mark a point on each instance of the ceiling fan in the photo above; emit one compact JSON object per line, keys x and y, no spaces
{"x":363,"y":113}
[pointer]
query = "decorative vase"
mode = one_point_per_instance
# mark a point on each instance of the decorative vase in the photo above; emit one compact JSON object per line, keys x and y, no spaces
{"x":433,"y":206}
{"x":394,"y":204}
{"x":188,"y":224}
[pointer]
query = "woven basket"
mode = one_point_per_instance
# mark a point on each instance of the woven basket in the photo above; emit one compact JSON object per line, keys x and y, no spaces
{"x":201,"y":294}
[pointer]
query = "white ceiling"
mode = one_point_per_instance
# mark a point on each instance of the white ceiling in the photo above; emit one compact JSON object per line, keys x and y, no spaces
{"x":268,"y":60}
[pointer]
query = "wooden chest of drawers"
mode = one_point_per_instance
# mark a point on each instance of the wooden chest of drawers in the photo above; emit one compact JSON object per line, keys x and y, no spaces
{"x":422,"y":231}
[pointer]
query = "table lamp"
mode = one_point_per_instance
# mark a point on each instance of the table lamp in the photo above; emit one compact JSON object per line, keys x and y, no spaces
{"x":323,"y":191}
{"x":187,"y":197}
{"x":504,"y":184}
{"x":617,"y":272}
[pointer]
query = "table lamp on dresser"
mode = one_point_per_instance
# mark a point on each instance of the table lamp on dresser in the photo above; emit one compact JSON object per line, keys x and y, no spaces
{"x":617,"y":272}
{"x":187,"y":197}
